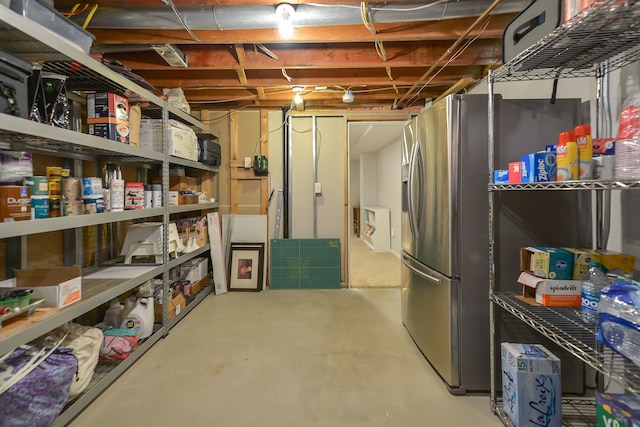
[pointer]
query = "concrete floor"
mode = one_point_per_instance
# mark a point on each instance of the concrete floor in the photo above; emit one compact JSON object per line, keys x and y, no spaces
{"x":287,"y":358}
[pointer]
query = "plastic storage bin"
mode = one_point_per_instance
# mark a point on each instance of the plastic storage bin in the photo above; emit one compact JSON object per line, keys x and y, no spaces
{"x":14,"y":76}
{"x":54,"y":21}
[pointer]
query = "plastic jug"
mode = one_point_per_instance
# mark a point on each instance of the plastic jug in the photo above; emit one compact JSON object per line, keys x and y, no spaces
{"x":141,"y":318}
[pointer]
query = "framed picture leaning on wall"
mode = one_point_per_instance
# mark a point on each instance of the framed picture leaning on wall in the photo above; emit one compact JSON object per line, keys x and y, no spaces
{"x":246,"y":266}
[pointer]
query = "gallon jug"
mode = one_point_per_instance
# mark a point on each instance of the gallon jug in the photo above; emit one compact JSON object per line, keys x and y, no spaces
{"x":141,"y":318}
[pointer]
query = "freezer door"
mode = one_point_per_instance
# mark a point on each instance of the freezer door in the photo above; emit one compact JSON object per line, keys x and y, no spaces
{"x":436,"y":190}
{"x":429,"y":313}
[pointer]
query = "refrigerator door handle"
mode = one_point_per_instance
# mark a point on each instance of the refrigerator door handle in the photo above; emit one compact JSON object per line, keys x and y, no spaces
{"x":407,"y":262}
{"x":410,"y":198}
{"x":416,"y":205}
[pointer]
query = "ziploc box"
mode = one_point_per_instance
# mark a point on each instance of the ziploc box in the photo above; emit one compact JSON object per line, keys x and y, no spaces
{"x":531,"y":389}
{"x":551,"y":293}
{"x":548,"y":263}
{"x":501,"y":176}
{"x":59,"y":286}
{"x":617,"y":410}
{"x":514,"y":173}
{"x":527,"y":164}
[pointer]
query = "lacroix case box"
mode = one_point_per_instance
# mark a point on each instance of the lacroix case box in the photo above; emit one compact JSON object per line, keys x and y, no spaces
{"x":548,"y":263}
{"x":531,"y":389}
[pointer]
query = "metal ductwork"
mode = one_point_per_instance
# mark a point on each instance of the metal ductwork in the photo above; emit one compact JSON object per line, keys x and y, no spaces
{"x":264,"y":16}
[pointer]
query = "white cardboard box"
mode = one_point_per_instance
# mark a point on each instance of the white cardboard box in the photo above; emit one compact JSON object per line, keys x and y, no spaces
{"x":553,"y":293}
{"x":183,"y":141}
{"x":59,"y":287}
{"x":531,"y":389}
{"x":194,"y":270}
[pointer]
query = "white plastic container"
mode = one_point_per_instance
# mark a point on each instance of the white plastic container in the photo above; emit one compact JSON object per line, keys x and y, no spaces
{"x":141,"y":318}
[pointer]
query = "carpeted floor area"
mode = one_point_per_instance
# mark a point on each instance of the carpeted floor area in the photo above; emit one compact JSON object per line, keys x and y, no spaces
{"x":369,"y":269}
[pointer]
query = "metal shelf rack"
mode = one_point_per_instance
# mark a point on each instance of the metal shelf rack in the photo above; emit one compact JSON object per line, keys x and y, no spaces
{"x":608,"y":31}
{"x":34,"y":43}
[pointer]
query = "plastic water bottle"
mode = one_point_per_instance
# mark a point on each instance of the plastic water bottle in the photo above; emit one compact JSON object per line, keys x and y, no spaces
{"x":593,"y":281}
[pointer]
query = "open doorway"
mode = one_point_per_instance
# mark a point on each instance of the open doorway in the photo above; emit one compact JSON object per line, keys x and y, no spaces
{"x":374,"y":203}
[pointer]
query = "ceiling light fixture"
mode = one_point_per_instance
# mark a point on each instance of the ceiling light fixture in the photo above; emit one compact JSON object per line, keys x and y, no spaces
{"x":284,"y":14}
{"x":348,"y":96}
{"x":171,"y":54}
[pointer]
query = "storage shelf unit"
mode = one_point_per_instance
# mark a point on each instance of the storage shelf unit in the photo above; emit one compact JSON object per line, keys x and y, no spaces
{"x":375,"y":229}
{"x":32,"y":42}
{"x":606,"y":31}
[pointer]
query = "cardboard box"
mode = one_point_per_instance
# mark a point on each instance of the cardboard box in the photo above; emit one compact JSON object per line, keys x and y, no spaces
{"x":180,"y":183}
{"x":514,"y":173}
{"x":135,"y":115}
{"x":617,"y":263}
{"x":548,"y":263}
{"x":183,"y":141}
{"x":60,"y":286}
{"x":544,"y":168}
{"x":197,"y":286}
{"x":501,"y":176}
{"x":582,"y":260}
{"x":109,"y":128}
{"x":176,"y":305}
{"x":107,"y":104}
{"x":551,"y":293}
{"x":619,"y":410}
{"x":531,"y":389}
{"x":194,"y":270}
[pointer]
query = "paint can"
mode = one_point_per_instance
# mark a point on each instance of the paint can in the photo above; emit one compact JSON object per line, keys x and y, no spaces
{"x":91,"y":187}
{"x":55,"y":207}
{"x":39,"y":207}
{"x":38,"y":185}
{"x":15,"y":203}
{"x":93,"y":205}
{"x":72,"y":207}
{"x":54,"y":172}
{"x":55,"y":187}
{"x":72,"y":188}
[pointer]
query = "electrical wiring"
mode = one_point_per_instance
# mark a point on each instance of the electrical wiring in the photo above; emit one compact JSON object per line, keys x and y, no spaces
{"x":410,"y":9}
{"x":366,"y":19}
{"x":74,"y":10}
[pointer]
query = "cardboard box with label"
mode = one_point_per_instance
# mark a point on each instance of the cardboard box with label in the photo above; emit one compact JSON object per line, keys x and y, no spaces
{"x":60,"y":287}
{"x":548,"y":263}
{"x":582,"y":260}
{"x":549,"y":292}
{"x":531,"y":389}
{"x":617,"y":263}
{"x":176,"y":305}
{"x":183,"y":141}
{"x":194,"y":270}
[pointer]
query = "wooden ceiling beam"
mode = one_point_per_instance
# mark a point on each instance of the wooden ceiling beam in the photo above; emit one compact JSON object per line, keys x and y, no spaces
{"x":449,"y":29}
{"x":62,"y":4}
{"x":360,"y":55}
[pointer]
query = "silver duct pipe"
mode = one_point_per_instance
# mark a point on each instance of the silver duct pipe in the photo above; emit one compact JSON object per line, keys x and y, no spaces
{"x":264,"y":16}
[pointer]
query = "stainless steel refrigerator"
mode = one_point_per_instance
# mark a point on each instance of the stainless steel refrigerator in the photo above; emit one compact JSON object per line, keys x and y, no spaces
{"x":445,"y":243}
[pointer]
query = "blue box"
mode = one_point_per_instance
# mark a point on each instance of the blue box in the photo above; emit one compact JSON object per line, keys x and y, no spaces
{"x":501,"y":176}
{"x":544,"y":166}
{"x":527,"y":165}
{"x":531,"y":388}
{"x":548,"y":263}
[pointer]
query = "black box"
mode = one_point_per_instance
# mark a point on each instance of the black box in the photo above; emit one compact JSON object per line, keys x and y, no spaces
{"x":14,"y":75}
{"x":209,"y":152}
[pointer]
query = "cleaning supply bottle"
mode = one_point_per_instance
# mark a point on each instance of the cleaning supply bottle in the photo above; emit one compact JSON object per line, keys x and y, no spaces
{"x":593,"y":281}
{"x":141,"y":318}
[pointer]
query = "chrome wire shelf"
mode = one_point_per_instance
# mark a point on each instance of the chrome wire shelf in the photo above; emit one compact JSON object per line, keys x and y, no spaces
{"x":568,"y":185}
{"x":607,"y":30}
{"x":575,"y":412}
{"x":564,"y":326}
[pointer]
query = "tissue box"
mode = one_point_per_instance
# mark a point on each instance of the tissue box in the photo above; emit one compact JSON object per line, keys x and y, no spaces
{"x":548,"y":263}
{"x":531,"y":390}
